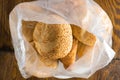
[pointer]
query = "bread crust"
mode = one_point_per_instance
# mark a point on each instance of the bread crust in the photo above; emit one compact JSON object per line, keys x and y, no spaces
{"x":53,"y":40}
{"x":71,"y":57}
{"x":27,"y":29}
{"x":83,"y":36}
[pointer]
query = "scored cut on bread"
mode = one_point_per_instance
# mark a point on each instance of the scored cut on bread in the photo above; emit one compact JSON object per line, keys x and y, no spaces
{"x":71,"y":57}
{"x":83,"y":36}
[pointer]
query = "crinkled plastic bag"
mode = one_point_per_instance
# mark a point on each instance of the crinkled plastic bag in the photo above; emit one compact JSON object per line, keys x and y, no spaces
{"x":84,"y":13}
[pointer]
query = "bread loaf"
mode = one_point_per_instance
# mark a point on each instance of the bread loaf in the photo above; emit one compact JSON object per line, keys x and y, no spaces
{"x":71,"y":57}
{"x":53,"y":40}
{"x":27,"y":29}
{"x":82,"y":49}
{"x":46,"y":61}
{"x":83,"y":36}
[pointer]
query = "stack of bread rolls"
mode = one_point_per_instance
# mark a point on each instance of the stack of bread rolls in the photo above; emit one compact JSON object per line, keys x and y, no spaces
{"x":57,"y":42}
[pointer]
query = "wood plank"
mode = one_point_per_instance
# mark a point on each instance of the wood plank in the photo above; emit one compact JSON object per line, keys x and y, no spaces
{"x":5,"y":8}
{"x":110,"y":72}
{"x":9,"y":69}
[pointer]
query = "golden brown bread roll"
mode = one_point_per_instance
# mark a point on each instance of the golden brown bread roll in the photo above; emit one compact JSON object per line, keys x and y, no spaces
{"x":71,"y":57}
{"x":46,"y":61}
{"x":27,"y":29}
{"x":83,"y":36}
{"x":53,"y":40}
{"x":82,"y":49}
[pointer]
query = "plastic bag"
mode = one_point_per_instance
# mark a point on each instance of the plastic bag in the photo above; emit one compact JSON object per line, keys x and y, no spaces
{"x":85,"y":13}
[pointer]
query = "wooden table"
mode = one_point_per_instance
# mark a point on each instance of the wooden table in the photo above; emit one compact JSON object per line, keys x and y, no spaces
{"x":8,"y":66}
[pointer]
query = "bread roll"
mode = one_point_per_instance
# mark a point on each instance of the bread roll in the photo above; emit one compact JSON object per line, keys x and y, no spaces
{"x":53,"y":40}
{"x":71,"y":57}
{"x":82,"y":49}
{"x":27,"y":29}
{"x":83,"y":36}
{"x":46,"y":61}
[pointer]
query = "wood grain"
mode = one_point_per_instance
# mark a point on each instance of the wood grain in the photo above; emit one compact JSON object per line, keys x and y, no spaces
{"x":5,"y":8}
{"x":5,"y":38}
{"x":9,"y":69}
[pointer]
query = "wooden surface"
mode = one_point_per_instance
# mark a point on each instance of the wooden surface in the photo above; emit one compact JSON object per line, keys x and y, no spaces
{"x":8,"y":66}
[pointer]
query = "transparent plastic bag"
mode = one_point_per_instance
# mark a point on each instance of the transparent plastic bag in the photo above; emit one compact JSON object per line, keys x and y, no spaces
{"x":85,"y":13}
